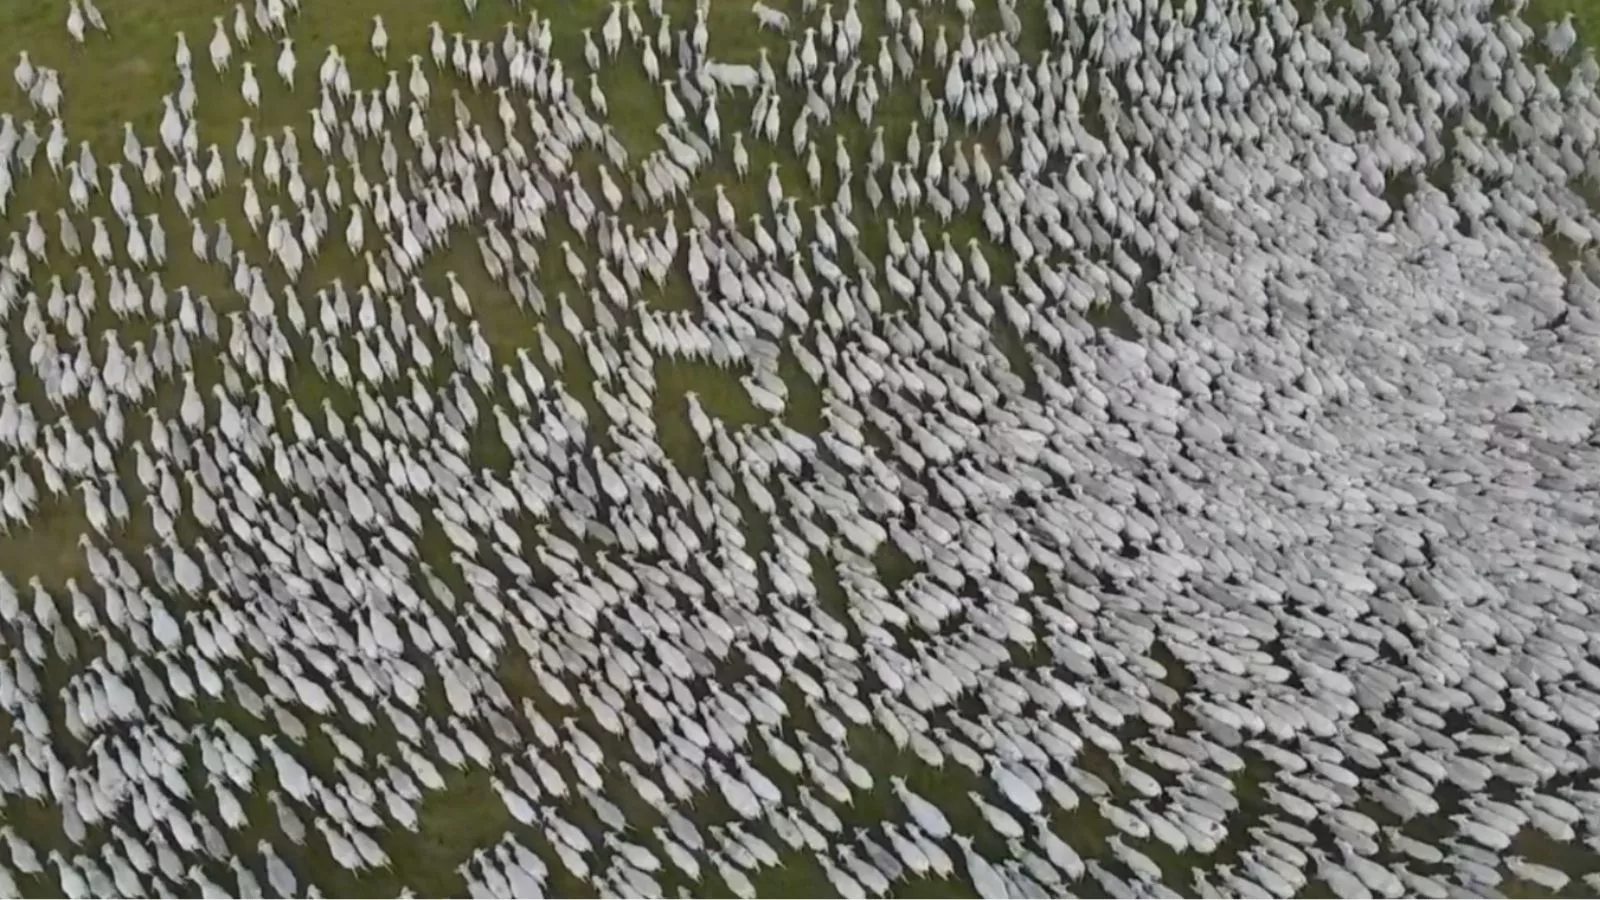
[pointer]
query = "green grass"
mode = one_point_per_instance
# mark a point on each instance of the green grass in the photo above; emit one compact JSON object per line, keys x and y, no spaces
{"x":112,"y":81}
